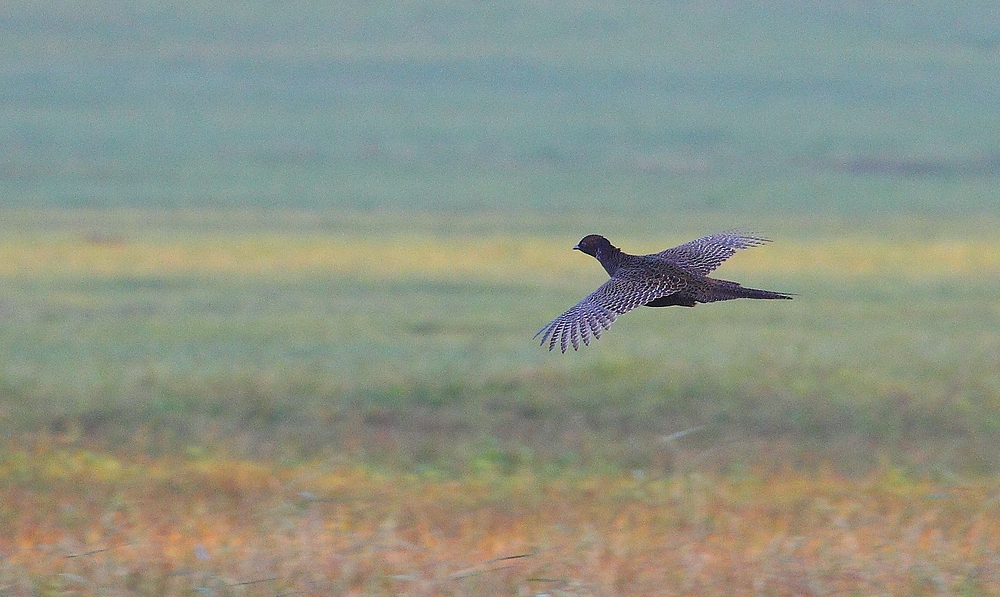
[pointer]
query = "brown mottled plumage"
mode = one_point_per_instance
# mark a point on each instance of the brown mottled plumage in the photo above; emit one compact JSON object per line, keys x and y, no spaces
{"x":677,"y":276}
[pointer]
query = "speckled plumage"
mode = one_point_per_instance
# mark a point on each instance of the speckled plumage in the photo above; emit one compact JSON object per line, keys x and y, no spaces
{"x":676,"y":276}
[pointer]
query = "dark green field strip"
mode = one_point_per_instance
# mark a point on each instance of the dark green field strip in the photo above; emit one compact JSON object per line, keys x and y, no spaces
{"x":432,"y":373}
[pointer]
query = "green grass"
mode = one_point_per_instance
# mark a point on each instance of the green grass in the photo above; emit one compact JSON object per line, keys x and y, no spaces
{"x":254,"y":338}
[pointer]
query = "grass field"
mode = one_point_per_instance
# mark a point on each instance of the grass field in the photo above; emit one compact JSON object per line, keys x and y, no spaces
{"x":270,"y":277}
{"x":297,"y":333}
{"x":319,"y":403}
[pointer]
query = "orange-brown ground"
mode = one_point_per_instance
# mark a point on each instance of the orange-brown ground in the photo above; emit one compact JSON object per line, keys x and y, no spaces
{"x":87,"y":523}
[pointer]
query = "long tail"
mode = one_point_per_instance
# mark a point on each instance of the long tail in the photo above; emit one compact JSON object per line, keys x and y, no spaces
{"x":724,"y":290}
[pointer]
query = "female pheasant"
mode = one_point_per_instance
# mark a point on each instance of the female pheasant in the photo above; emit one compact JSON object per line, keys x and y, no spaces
{"x":677,"y":276}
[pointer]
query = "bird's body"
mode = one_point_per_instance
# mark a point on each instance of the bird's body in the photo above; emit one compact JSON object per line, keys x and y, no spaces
{"x":674,"y":277}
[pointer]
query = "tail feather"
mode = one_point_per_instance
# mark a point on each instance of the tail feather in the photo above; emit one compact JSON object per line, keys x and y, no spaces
{"x":724,"y":290}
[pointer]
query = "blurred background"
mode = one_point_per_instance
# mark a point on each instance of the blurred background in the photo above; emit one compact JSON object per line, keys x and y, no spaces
{"x":330,"y":230}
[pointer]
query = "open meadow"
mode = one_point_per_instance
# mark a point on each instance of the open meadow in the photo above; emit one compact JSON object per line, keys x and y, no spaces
{"x":269,"y":276}
{"x":351,"y":403}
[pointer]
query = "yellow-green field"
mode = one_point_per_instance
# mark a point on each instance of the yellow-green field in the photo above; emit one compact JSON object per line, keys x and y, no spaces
{"x":350,"y":403}
{"x":493,"y":258}
{"x":479,"y":247}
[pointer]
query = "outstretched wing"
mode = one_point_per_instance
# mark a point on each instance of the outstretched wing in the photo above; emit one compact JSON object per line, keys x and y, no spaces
{"x":704,"y":254}
{"x":600,"y":308}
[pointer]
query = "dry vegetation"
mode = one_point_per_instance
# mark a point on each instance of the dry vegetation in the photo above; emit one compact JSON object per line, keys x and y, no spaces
{"x":82,"y":523}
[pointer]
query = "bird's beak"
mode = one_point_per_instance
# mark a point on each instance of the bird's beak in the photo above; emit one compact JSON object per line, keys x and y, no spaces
{"x":577,"y":248}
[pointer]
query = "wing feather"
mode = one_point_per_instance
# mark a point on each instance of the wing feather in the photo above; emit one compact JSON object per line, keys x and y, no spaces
{"x":704,"y":254}
{"x":600,"y":309}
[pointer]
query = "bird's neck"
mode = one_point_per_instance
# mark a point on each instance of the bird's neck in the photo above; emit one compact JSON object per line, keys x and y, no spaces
{"x":611,"y":258}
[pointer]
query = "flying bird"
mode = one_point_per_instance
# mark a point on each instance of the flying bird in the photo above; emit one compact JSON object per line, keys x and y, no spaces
{"x":677,"y":276}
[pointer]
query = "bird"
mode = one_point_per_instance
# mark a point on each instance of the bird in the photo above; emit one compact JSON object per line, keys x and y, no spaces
{"x":673,"y":277}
